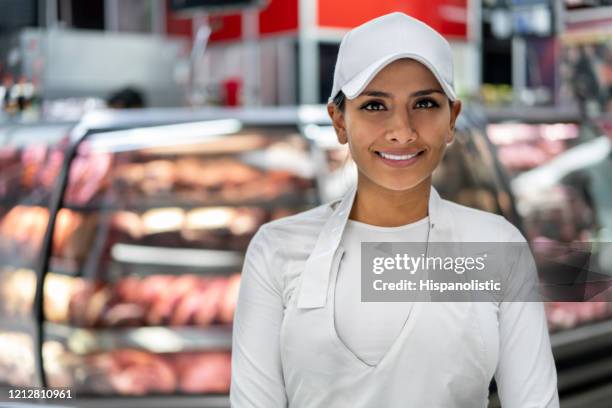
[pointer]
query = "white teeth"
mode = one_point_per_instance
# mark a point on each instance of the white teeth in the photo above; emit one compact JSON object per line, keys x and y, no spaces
{"x":394,"y":157}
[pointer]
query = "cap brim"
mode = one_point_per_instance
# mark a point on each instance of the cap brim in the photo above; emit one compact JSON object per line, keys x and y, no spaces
{"x":356,"y":85}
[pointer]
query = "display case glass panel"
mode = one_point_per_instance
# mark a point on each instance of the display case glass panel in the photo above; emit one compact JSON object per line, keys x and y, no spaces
{"x":148,"y":248}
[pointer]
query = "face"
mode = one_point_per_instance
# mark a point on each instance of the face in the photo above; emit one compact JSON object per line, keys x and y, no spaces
{"x":397,"y":129}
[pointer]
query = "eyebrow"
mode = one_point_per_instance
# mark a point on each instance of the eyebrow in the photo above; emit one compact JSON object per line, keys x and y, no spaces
{"x":388,"y":95}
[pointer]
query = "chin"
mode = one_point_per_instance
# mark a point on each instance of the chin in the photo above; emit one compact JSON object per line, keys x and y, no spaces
{"x":395,"y":182}
{"x":396,"y":185}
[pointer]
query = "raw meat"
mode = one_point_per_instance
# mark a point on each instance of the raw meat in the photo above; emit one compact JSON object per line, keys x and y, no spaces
{"x":207,"y":373}
{"x":211,"y":301}
{"x":228,"y":305}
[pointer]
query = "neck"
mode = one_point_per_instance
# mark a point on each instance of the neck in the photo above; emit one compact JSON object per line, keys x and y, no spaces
{"x":380,"y":206}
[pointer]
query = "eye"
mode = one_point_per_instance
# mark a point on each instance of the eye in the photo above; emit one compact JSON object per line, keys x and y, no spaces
{"x":427,"y":103}
{"x":376,"y":105}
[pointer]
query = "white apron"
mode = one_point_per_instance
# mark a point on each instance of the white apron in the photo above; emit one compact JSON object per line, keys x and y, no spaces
{"x":436,"y":334}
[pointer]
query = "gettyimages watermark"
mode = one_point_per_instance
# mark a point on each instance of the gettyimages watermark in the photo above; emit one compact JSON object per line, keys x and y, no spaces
{"x":485,"y":272}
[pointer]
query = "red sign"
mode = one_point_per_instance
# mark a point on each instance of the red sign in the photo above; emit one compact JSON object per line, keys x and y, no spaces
{"x":449,"y":17}
{"x":278,"y":16}
{"x":225,"y":27}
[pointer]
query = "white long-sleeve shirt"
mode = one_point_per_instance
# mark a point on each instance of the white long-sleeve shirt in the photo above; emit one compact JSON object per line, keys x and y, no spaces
{"x":286,"y":353}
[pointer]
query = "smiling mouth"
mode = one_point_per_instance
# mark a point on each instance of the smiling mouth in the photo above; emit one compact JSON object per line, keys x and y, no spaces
{"x":397,"y":157}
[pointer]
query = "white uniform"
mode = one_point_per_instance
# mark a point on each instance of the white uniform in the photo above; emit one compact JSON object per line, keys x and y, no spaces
{"x":286,"y":352}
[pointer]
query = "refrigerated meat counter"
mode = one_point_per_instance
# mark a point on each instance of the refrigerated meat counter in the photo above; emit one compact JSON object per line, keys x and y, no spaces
{"x":122,"y":238}
{"x":560,"y":174}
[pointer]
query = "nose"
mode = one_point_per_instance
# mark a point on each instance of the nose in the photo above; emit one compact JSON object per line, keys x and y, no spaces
{"x":401,"y":129}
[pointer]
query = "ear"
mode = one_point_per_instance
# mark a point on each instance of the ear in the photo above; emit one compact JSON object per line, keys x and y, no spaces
{"x":455,"y":110}
{"x":338,"y":123}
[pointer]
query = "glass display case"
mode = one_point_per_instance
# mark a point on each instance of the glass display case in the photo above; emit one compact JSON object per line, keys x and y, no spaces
{"x":147,"y":251}
{"x":560,"y":172}
{"x":560,"y":178}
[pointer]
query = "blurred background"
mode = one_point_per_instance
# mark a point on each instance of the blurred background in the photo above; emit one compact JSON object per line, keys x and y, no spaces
{"x":143,"y":142}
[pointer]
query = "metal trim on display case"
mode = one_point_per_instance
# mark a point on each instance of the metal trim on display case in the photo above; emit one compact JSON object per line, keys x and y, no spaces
{"x":156,"y":339}
{"x":108,"y":120}
{"x":308,"y":198}
{"x":187,"y":257}
{"x":186,"y":401}
{"x":478,"y":119}
{"x":55,"y":203}
{"x":533,"y":114}
{"x":28,"y":405}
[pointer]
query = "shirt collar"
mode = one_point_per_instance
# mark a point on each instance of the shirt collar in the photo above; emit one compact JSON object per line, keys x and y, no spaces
{"x":317,"y":271}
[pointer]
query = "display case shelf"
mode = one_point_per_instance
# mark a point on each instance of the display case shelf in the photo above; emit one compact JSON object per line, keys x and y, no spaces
{"x":85,"y":401}
{"x":573,"y":342}
{"x":594,"y":397}
{"x":293,"y":200}
{"x":57,"y":265}
{"x":13,"y":263}
{"x":584,"y":375}
{"x":150,"y":260}
{"x":143,"y":270}
{"x":154,"y":339}
{"x":14,"y":324}
{"x":207,"y":259}
{"x":63,"y":266}
{"x":25,"y":201}
{"x":182,"y":401}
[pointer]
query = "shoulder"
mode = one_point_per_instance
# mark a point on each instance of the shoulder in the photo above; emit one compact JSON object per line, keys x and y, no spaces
{"x":291,"y":237}
{"x":284,"y":244}
{"x":298,"y":227}
{"x":477,"y":225}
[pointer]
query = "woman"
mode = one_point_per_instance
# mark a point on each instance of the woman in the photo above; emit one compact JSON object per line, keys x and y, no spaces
{"x":302,"y":337}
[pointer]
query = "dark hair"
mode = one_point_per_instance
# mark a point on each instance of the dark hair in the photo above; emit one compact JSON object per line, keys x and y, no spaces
{"x":339,"y":101}
{"x":128,"y":97}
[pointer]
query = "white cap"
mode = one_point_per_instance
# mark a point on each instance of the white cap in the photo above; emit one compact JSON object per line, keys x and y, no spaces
{"x":368,"y":48}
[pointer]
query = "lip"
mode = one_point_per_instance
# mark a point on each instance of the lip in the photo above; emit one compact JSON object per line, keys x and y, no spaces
{"x":400,"y":163}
